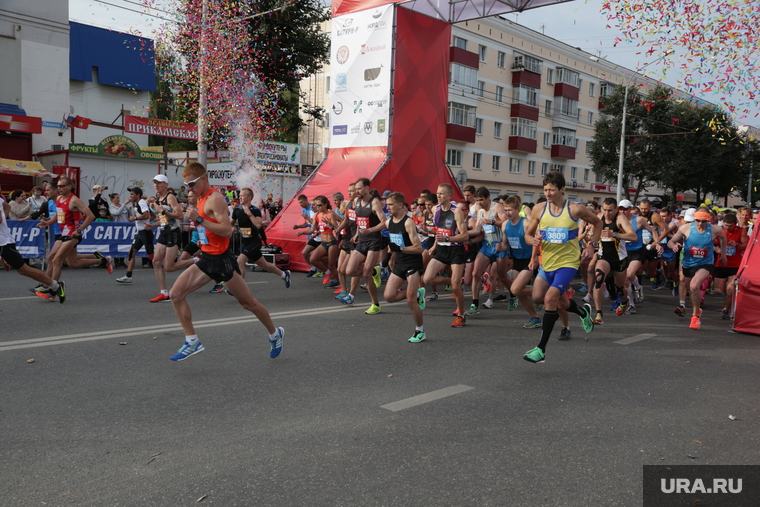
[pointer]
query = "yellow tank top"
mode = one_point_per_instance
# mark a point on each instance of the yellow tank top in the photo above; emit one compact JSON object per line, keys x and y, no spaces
{"x":559,"y":234}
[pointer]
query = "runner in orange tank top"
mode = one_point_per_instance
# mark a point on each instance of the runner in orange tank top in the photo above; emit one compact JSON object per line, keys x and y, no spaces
{"x":217,"y":263}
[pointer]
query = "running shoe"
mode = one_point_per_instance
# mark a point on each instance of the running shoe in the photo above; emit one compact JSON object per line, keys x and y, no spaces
{"x":459,"y":321}
{"x":43,"y":293}
{"x":341,"y":295}
{"x":564,"y":335}
{"x":339,"y":290}
{"x":695,"y":323}
{"x":675,"y":290}
{"x":487,"y":304}
{"x":599,"y":319}
{"x":318,"y":274}
{"x":37,"y":289}
{"x":421,"y":301}
{"x":275,"y":344}
{"x":447,"y":288}
{"x":724,"y":315}
{"x":539,"y":307}
{"x":326,"y":279}
{"x":311,"y":273}
{"x":376,"y":277}
{"x":500,"y":297}
{"x":228,"y":291}
{"x":615,"y":304}
{"x":385,"y":273}
{"x":61,"y":292}
{"x":584,"y":288}
{"x":512,"y":303}
{"x":373,"y":310}
{"x":655,"y":286}
{"x":363,"y":286}
{"x":620,"y":310}
{"x":433,"y":296}
{"x":638,"y":295}
{"x":418,"y":337}
{"x":348,"y":299}
{"x":630,"y":310}
{"x":287,"y":278}
{"x":217,"y":288}
{"x":535,"y":356}
{"x":472,"y":310}
{"x":187,"y":350}
{"x":533,"y":323}
{"x":486,"y":281}
{"x":160,"y":298}
{"x":333,"y":283}
{"x":588,"y":298}
{"x":680,"y":311}
{"x":109,"y":264}
{"x":124,"y":279}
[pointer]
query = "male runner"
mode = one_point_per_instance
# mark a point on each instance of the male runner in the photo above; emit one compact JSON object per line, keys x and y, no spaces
{"x":169,"y":216}
{"x":348,"y":225}
{"x":407,"y":250}
{"x":698,"y":257}
{"x":636,"y":254}
{"x":307,"y":213}
{"x":736,"y":244}
{"x":448,"y":250}
{"x":669,"y":258}
{"x":217,"y":263}
{"x":139,"y":214}
{"x":557,"y":223}
{"x":653,"y":261}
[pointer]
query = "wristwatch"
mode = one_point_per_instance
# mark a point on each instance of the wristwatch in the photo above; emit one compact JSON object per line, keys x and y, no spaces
{"x":198,"y":220}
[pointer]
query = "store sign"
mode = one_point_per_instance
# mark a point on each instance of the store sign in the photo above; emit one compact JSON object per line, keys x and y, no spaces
{"x":116,"y":146}
{"x":18,"y":123}
{"x":159,"y":127}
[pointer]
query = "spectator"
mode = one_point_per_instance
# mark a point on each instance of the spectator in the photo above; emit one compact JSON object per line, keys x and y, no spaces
{"x":20,"y":209}
{"x":275,"y":209}
{"x":97,"y":199}
{"x":117,"y":211}
{"x":103,"y":215}
{"x":36,"y":200}
{"x":182,"y":195}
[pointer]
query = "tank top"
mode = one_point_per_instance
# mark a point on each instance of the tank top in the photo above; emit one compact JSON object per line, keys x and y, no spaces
{"x":698,"y":248}
{"x":167,"y":223}
{"x":210,"y":243}
{"x":398,"y":238}
{"x":351,"y":227}
{"x":323,"y":225}
{"x":638,"y":244}
{"x":5,"y":232}
{"x":366,"y":218}
{"x":445,"y":223}
{"x":516,"y":237}
{"x":733,"y":255}
{"x":610,"y":248}
{"x":52,"y":212}
{"x":68,"y":219}
{"x":491,"y":233}
{"x":559,"y":239}
{"x":248,"y":231}
{"x":646,"y":236}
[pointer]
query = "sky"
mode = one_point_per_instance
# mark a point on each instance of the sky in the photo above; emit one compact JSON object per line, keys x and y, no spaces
{"x":578,"y":23}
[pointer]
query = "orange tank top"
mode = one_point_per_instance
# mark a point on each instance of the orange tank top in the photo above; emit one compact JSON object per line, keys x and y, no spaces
{"x":210,"y":242}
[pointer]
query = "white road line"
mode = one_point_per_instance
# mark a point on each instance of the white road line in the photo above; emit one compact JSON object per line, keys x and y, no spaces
{"x":634,"y":339}
{"x":21,"y":297}
{"x":426,"y":398}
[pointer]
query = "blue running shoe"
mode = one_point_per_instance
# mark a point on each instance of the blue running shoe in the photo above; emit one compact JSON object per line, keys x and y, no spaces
{"x":341,"y":296}
{"x":187,"y":350}
{"x":275,"y":344}
{"x":217,"y":288}
{"x":332,"y":284}
{"x":433,"y":296}
{"x":287,"y":278}
{"x":675,"y":290}
{"x":615,"y":304}
{"x":584,"y":288}
{"x":347,"y":300}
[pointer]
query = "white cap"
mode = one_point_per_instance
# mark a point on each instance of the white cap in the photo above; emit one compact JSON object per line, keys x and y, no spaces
{"x":625,"y":203}
{"x":160,"y":177}
{"x":689,"y":216}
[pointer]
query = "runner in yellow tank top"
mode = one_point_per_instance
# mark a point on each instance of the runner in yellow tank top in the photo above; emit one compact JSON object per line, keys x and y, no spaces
{"x":556,"y":222}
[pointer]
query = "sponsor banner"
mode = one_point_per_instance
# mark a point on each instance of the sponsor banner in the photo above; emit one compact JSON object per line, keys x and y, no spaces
{"x":29,"y":238}
{"x":360,"y":67}
{"x":715,"y":485}
{"x":18,"y":123}
{"x":269,"y":153}
{"x":110,"y":238}
{"x":159,"y":127}
{"x":116,"y":146}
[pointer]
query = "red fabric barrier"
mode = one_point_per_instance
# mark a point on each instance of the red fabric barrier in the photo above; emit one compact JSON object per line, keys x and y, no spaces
{"x":747,"y":297}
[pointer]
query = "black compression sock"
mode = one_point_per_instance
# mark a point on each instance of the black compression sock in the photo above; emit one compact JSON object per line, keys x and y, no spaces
{"x":550,"y":318}
{"x":578,"y":310}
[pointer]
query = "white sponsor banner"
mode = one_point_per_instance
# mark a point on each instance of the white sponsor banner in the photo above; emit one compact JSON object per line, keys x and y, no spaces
{"x":360,"y":68}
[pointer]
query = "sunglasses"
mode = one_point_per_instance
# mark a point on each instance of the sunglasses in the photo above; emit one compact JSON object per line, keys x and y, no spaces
{"x":317,"y":205}
{"x":701,"y":220}
{"x":191,"y":184}
{"x":63,"y":186}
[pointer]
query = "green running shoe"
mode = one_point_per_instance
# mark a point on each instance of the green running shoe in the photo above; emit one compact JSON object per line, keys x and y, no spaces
{"x":535,"y":356}
{"x":587,"y":321}
{"x":421,"y":298}
{"x":376,"y":277}
{"x":418,"y":337}
{"x":473,"y":310}
{"x":512,"y":303}
{"x":373,"y":310}
{"x":533,"y":323}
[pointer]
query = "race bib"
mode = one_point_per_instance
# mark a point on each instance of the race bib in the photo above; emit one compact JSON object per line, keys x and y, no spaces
{"x":698,"y":253}
{"x":730,"y":251}
{"x":445,"y":232}
{"x":321,"y":227}
{"x":362,"y":222}
{"x":61,"y":216}
{"x":514,"y":243}
{"x":352,"y":214}
{"x":202,"y":237}
{"x":397,"y":239}
{"x":646,"y":236}
{"x":164,"y":221}
{"x":245,"y":232}
{"x":556,"y":234}
{"x":489,"y":229}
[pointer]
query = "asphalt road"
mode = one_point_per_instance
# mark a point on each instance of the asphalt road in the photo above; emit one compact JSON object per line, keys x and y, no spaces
{"x":102,"y":417}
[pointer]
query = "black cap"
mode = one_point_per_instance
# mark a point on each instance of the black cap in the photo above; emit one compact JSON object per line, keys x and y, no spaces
{"x":136,"y":190}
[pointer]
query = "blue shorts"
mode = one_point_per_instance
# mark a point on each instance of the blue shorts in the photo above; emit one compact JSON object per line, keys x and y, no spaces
{"x":559,"y":278}
{"x":668,"y":255}
{"x":489,"y":250}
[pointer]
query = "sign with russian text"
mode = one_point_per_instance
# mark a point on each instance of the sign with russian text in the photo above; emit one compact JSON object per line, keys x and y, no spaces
{"x":29,"y":238}
{"x":18,"y":123}
{"x":159,"y":127}
{"x":116,"y":146}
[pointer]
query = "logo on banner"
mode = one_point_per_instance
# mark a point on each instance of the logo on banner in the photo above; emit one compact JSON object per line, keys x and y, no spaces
{"x":337,"y":108}
{"x":377,"y":25}
{"x":357,"y":107}
{"x":347,"y":28}
{"x":342,"y":55}
{"x":356,"y":128}
{"x":340,"y":130}
{"x":367,"y":127}
{"x":380,"y":126}
{"x":340,"y":79}
{"x":377,"y":14}
{"x":369,"y":49}
{"x":378,"y":103}
{"x":371,"y":74}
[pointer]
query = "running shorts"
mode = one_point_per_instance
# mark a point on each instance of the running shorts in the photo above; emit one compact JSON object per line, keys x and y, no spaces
{"x":220,"y":268}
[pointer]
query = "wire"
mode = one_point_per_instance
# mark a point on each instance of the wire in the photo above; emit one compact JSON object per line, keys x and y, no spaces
{"x":135,"y":10}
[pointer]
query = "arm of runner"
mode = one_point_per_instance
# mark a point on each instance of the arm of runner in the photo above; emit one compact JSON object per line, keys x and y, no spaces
{"x":643,"y":224}
{"x":503,"y":245}
{"x":6,"y":209}
{"x":531,"y":228}
{"x":674,"y":243}
{"x":582,"y":212}
{"x":721,"y":235}
{"x":743,"y":242}
{"x":625,"y":224}
{"x":377,"y":209}
{"x":411,"y":230}
{"x":657,"y":220}
{"x":460,"y":218}
{"x":81,"y":207}
{"x":176,"y":212}
{"x":312,"y":229}
{"x":216,"y":208}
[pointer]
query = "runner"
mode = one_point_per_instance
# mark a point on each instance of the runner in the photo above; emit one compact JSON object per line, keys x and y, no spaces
{"x":557,"y":223}
{"x":736,"y":244}
{"x":669,"y":258}
{"x":169,"y":212}
{"x":348,"y":225}
{"x":187,"y":257}
{"x":653,"y":258}
{"x":211,"y":217}
{"x":140,"y":215}
{"x":325,"y":256}
{"x":448,"y":250}
{"x":698,"y":257}
{"x":407,"y":251}
{"x":307,"y":213}
{"x":636,"y":254}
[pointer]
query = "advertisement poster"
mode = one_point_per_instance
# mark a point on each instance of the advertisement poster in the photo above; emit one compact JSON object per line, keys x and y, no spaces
{"x":117,"y":146}
{"x":360,"y":67}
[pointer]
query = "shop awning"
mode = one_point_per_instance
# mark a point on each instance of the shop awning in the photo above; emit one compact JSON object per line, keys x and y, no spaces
{"x":23,"y":168}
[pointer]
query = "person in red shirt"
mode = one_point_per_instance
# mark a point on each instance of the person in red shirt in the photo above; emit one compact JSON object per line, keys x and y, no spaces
{"x":736,"y":243}
{"x":217,"y":263}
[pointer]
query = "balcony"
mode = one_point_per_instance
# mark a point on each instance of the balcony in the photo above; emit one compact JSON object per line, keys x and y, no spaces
{"x":562,"y":151}
{"x":524,"y":111}
{"x":526,"y":77}
{"x":461,"y":133}
{"x":523,"y":144}
{"x":463,"y":57}
{"x":566,"y":90}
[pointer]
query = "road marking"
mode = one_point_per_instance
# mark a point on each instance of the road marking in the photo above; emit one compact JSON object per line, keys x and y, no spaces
{"x":20,"y":297}
{"x":425,"y":398}
{"x":634,"y":339}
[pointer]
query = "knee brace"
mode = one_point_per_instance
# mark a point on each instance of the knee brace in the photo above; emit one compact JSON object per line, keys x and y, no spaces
{"x":620,"y":290}
{"x":599,"y":279}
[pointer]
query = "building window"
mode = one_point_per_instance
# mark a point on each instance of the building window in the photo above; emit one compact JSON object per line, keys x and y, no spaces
{"x":481,"y":53}
{"x":550,"y":76}
{"x":548,"y":108}
{"x":528,"y":63}
{"x":544,"y":168}
{"x":499,"y":94}
{"x":586,"y":173}
{"x":564,"y":137}
{"x":567,"y":107}
{"x":479,"y":126}
{"x":547,"y":140}
{"x":460,"y":43}
{"x":531,"y":167}
{"x":528,"y":197}
{"x":515,"y":165}
{"x":497,"y":130}
{"x":461,"y":114}
{"x":495,"y":163}
{"x":501,"y":58}
{"x":567,"y":76}
{"x":481,"y":88}
{"x":598,"y":178}
{"x":522,"y":127}
{"x":560,"y":168}
{"x":327,"y":83}
{"x":464,"y":75}
{"x":525,"y":94}
{"x":590,"y":117}
{"x":476,"y":158}
{"x":604,"y":89}
{"x":573,"y":173}
{"x":454,"y":158}
{"x":591,"y":89}
{"x":589,"y":145}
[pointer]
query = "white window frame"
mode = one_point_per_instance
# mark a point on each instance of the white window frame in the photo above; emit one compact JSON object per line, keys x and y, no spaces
{"x":477,"y":160}
{"x":573,"y":173}
{"x":590,"y":117}
{"x":531,"y":168}
{"x":525,"y":94}
{"x":568,"y":76}
{"x":528,"y":196}
{"x":586,"y":175}
{"x":460,"y":43}
{"x":522,"y":127}
{"x":547,"y":139}
{"x":515,"y":165}
{"x":481,"y":89}
{"x":497,"y":130}
{"x":499,"y":94}
{"x":550,"y":76}
{"x":563,"y":137}
{"x":463,"y":75}
{"x":454,"y":157}
{"x":528,"y":63}
{"x":496,"y":163}
{"x":482,"y":53}
{"x":479,"y":126}
{"x":544,"y":168}
{"x":567,"y":106}
{"x":548,"y":107}
{"x":461,"y":114}
{"x":560,"y":168}
{"x":501,"y":59}
{"x":591,"y":89}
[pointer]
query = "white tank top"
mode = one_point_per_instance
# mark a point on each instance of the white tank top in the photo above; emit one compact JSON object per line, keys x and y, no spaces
{"x":5,"y":231}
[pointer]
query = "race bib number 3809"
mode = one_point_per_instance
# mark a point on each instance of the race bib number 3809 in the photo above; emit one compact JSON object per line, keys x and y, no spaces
{"x":556,"y":234}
